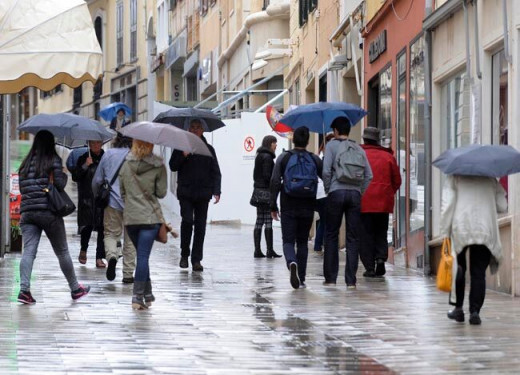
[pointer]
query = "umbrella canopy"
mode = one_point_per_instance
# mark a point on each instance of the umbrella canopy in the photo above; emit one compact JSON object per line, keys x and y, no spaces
{"x":69,"y":130}
{"x":319,"y":116}
{"x":479,"y":160}
{"x":110,"y":111}
{"x":181,"y":118}
{"x":47,"y":42}
{"x":166,"y":135}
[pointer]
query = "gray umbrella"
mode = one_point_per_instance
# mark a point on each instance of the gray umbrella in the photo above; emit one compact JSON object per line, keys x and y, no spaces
{"x":181,"y":118}
{"x":70,"y":130}
{"x":166,"y":135}
{"x":479,"y":160}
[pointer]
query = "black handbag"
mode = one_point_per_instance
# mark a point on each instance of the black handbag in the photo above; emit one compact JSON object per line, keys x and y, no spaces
{"x":103,"y":193}
{"x":260,"y":197}
{"x":59,"y":201}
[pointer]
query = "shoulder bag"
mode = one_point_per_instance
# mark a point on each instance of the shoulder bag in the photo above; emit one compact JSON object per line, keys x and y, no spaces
{"x":59,"y":201}
{"x":162,"y":235}
{"x":103,"y":193}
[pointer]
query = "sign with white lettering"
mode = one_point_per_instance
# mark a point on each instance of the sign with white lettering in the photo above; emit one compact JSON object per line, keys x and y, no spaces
{"x":377,"y":47}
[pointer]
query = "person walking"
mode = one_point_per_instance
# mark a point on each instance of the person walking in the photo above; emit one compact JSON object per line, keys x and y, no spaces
{"x":42,"y":167}
{"x":119,"y":121}
{"x":346,"y":176}
{"x":142,"y":182}
{"x":296,"y":175}
{"x":90,"y":217}
{"x":198,"y":178}
{"x":264,"y":164}
{"x":469,"y":217}
{"x":377,"y":203}
{"x":108,"y":171}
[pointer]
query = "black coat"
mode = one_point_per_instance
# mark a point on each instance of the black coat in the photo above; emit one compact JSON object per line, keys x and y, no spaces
{"x":88,"y":213}
{"x":264,"y":165}
{"x":31,"y":187}
{"x":198,"y":176}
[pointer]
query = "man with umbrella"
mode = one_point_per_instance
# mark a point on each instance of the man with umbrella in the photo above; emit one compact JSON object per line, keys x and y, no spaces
{"x":90,"y":218}
{"x":199,"y":178}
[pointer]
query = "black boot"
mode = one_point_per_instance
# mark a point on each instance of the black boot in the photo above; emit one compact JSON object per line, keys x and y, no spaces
{"x":148,"y":295}
{"x":269,"y":241}
{"x":257,"y":233}
{"x":138,"y":302}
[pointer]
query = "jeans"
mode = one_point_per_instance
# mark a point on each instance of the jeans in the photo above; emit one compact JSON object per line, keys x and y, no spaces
{"x":86,"y":232}
{"x":194,"y":214}
{"x":479,"y":258}
{"x":373,"y":242}
{"x":32,"y":225}
{"x":143,"y":237}
{"x":339,"y":203}
{"x":296,"y":225}
{"x":320,"y":224}
{"x":114,"y":228}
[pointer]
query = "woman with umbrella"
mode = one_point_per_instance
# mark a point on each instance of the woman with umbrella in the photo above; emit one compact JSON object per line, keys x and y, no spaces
{"x":40,"y":168}
{"x":470,"y":202}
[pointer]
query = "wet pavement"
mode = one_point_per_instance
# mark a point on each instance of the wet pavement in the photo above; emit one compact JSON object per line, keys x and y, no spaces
{"x":241,"y":316}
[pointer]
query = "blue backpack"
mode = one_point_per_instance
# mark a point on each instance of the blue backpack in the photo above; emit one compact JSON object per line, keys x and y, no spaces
{"x":300,"y":178}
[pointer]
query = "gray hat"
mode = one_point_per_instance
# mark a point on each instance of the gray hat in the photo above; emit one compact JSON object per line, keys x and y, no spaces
{"x":372,"y":134}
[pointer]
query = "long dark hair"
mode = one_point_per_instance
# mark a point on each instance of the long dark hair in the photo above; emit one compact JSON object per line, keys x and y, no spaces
{"x":268,"y":141}
{"x":42,"y":152}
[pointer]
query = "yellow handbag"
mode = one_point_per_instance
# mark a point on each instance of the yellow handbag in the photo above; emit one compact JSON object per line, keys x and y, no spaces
{"x":444,"y":272}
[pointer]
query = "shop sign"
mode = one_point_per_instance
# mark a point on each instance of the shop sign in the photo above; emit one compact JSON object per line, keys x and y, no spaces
{"x":377,"y":47}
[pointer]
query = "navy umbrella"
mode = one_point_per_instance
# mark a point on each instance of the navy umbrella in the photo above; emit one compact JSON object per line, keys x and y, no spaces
{"x":319,"y":116}
{"x":110,"y":111}
{"x":70,"y":130}
{"x":479,"y":160}
{"x":182,"y":117}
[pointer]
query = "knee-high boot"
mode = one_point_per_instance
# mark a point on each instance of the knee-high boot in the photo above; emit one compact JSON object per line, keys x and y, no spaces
{"x":269,"y":241}
{"x":258,"y":237}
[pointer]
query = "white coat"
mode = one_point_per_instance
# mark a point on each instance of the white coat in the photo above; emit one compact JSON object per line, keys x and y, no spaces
{"x":469,"y":216}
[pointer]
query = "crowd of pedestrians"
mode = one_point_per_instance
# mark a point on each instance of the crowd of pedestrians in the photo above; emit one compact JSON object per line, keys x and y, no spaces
{"x":350,"y":181}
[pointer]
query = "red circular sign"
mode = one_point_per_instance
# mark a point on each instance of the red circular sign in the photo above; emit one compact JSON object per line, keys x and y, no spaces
{"x":249,"y":144}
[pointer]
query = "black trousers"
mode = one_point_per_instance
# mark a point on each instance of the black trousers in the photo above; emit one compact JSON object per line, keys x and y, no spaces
{"x":194,"y":214}
{"x":296,"y":225}
{"x":479,"y":258}
{"x":86,"y":232}
{"x":373,"y":243}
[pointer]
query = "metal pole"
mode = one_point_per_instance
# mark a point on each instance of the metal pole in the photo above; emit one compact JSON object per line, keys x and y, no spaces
{"x":4,"y":201}
{"x":272,"y":100}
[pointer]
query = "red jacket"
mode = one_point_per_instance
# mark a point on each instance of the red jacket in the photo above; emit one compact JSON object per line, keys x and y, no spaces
{"x":379,"y":196}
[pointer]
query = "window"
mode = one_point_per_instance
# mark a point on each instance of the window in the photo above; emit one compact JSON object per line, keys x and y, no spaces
{"x":500,"y":121}
{"x":133,"y":30}
{"x":46,"y":94}
{"x":77,"y":97}
{"x":119,"y":33}
{"x":416,"y":152}
{"x":98,"y":27}
{"x":203,"y":7}
{"x":455,"y":113}
{"x":306,"y":7}
{"x":401,"y":147}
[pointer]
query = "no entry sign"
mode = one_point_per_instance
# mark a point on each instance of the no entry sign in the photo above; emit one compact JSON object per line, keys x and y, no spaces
{"x":249,"y":144}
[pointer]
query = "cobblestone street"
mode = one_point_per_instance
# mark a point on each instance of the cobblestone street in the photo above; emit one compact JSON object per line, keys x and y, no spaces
{"x":241,"y":316}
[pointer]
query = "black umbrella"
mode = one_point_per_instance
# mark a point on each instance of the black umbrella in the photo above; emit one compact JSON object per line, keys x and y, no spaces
{"x":479,"y":160}
{"x":182,"y":117}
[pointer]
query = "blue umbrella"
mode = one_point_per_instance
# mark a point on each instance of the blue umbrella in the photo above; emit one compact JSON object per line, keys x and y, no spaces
{"x":319,"y":116}
{"x":181,"y":118}
{"x":110,"y":111}
{"x":70,"y":130}
{"x":479,"y":160}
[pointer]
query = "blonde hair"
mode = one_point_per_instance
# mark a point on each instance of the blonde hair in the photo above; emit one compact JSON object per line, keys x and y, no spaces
{"x":140,"y":149}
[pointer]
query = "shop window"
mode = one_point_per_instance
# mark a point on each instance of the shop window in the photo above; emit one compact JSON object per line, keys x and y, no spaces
{"x":401,"y":147}
{"x":416,"y":151}
{"x":380,"y":104}
{"x":499,"y":88}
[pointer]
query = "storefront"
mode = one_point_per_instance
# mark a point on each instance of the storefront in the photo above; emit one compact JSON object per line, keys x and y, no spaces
{"x":394,"y":94}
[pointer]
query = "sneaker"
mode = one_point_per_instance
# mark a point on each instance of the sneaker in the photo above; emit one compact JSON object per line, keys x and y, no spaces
{"x":456,"y":314}
{"x":148,"y":299}
{"x":80,"y":292}
{"x":184,"y":262}
{"x":111,"y":269}
{"x":128,"y":280}
{"x":26,"y":298}
{"x":474,"y":319}
{"x":351,"y":286}
{"x":369,"y":273}
{"x":295,"y":280}
{"x":138,"y":303}
{"x":303,"y":285}
{"x":380,"y":267}
{"x":197,"y":267}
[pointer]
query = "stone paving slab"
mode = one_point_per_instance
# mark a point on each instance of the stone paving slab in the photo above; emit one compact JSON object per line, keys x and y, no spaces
{"x":241,"y":316}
